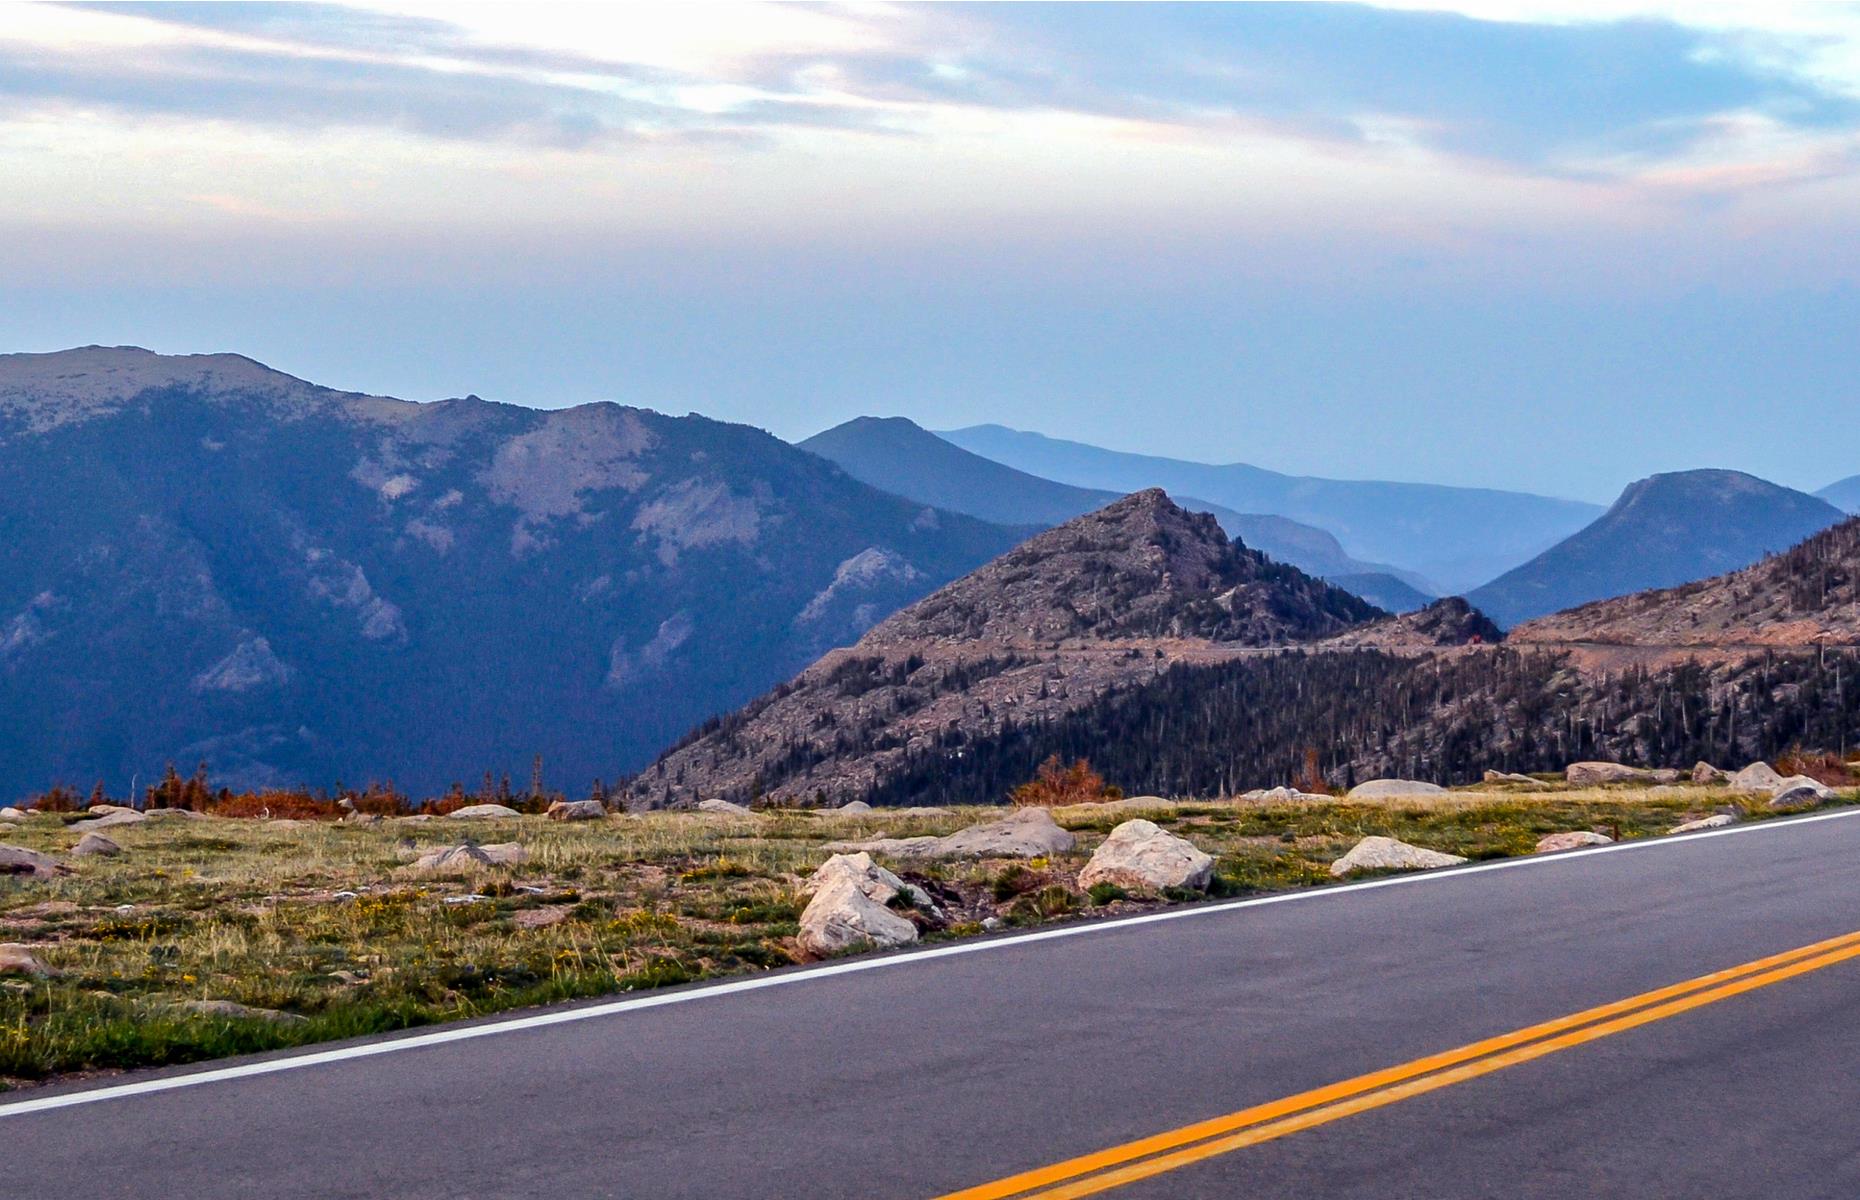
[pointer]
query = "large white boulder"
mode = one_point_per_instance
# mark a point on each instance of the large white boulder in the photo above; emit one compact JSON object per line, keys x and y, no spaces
{"x":12,"y":815}
{"x":1757,"y":777}
{"x":1799,"y":791}
{"x":576,"y":810}
{"x":850,"y":907}
{"x":1551,"y":843}
{"x":1599,"y":774}
{"x":725,"y":808}
{"x":116,"y":816}
{"x":1390,"y":854}
{"x":1142,"y":857}
{"x":1282,"y":795}
{"x":484,"y":812}
{"x":1393,"y":789}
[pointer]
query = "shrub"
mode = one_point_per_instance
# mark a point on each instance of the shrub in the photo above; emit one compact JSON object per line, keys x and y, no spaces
{"x":1057,"y":785}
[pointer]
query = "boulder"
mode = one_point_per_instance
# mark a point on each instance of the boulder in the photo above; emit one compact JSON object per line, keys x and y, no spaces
{"x":1799,"y":796}
{"x":1025,"y":833}
{"x":467,"y":857}
{"x":1704,"y":772}
{"x":1665,"y":775}
{"x":1280,"y":795}
{"x":178,"y":814}
{"x":576,"y":810}
{"x":95,"y":843}
{"x":866,"y":875}
{"x":19,"y":959}
{"x":1757,"y":777}
{"x":854,"y":806}
{"x":1141,"y":857}
{"x":1599,"y":774}
{"x":1551,"y":843}
{"x":12,"y":814}
{"x":1715,"y":821}
{"x":1393,"y":789}
{"x":104,"y":810}
{"x":842,"y":916}
{"x":484,"y":812}
{"x":1502,"y":777}
{"x":17,"y":860}
{"x":236,"y":1012}
{"x":1389,"y":854}
{"x":115,"y":817}
{"x":1807,"y":784}
{"x":361,"y":818}
{"x":724,"y":808}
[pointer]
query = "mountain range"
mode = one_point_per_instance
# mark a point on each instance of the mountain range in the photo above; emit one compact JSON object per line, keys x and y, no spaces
{"x":1454,"y":537}
{"x":205,"y":559}
{"x":1663,"y":531}
{"x":897,"y":455}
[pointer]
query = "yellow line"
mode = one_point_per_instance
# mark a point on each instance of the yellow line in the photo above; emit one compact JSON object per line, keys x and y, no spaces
{"x":1354,"y":1095}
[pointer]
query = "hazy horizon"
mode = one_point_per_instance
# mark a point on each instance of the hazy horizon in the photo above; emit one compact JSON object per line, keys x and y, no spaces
{"x":1540,"y":247}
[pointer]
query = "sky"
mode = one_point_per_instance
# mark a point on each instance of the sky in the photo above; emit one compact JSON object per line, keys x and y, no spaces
{"x":1539,"y":245}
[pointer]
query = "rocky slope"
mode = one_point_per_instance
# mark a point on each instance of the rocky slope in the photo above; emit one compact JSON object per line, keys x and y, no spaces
{"x":898,"y":456}
{"x":1664,"y":531}
{"x":204,"y":559}
{"x":1456,"y":537}
{"x":1099,"y":603}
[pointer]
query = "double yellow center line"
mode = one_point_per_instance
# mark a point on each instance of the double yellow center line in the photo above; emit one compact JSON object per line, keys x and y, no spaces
{"x":1116,"y":1166}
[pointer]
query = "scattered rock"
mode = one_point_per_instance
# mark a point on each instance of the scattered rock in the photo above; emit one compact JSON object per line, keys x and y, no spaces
{"x":1704,"y":772}
{"x":1026,"y":833}
{"x":1757,"y":777}
{"x":1510,"y":777}
{"x":467,"y":857}
{"x":576,"y":810}
{"x":116,"y":816}
{"x":1390,"y":854}
{"x":484,"y":812}
{"x":19,"y":959}
{"x":1715,"y":821}
{"x":1570,"y":841}
{"x":850,"y":907}
{"x":1142,"y":857}
{"x":1599,"y":774}
{"x":95,"y":843}
{"x":236,"y":1012}
{"x":724,"y":807}
{"x":17,"y":860}
{"x":1391,"y":789}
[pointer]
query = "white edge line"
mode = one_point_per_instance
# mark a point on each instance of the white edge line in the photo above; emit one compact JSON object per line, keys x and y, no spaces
{"x":733,"y":987}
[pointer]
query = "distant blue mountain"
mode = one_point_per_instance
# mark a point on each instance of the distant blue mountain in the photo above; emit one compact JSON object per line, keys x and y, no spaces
{"x":897,"y":455}
{"x":1664,"y":531}
{"x":1454,"y":537}
{"x":1844,"y":495}
{"x":204,"y":559}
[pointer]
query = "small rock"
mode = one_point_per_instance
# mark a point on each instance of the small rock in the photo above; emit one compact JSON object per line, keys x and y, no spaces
{"x":1715,"y":821}
{"x":1599,"y":774}
{"x":1757,"y":777}
{"x":95,"y":843}
{"x":345,"y":894}
{"x":467,"y":898}
{"x":1390,"y":789}
{"x":1704,"y":772}
{"x":17,"y":860}
{"x":576,"y":810}
{"x":543,"y":917}
{"x":1142,"y":857}
{"x":237,"y":1012}
{"x":725,"y":808}
{"x":1570,"y":841}
{"x":1390,"y":854}
{"x":1510,"y":777}
{"x":991,"y":922}
{"x":484,"y":812}
{"x":18,"y":959}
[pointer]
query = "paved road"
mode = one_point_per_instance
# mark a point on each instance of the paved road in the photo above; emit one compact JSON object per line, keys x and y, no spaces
{"x":930,"y":1075}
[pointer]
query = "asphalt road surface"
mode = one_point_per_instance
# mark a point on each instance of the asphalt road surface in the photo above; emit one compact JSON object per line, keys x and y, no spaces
{"x":919,"y":1076}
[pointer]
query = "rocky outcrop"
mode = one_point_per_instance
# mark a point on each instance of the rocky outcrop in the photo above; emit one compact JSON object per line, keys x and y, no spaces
{"x":95,"y":843}
{"x":850,"y":908}
{"x":1393,"y":789}
{"x":1390,"y":854}
{"x":1025,"y":833}
{"x":484,"y":812}
{"x":1575,"y":839}
{"x":114,"y":817}
{"x":17,"y":860}
{"x":1139,"y":856}
{"x":576,"y":810}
